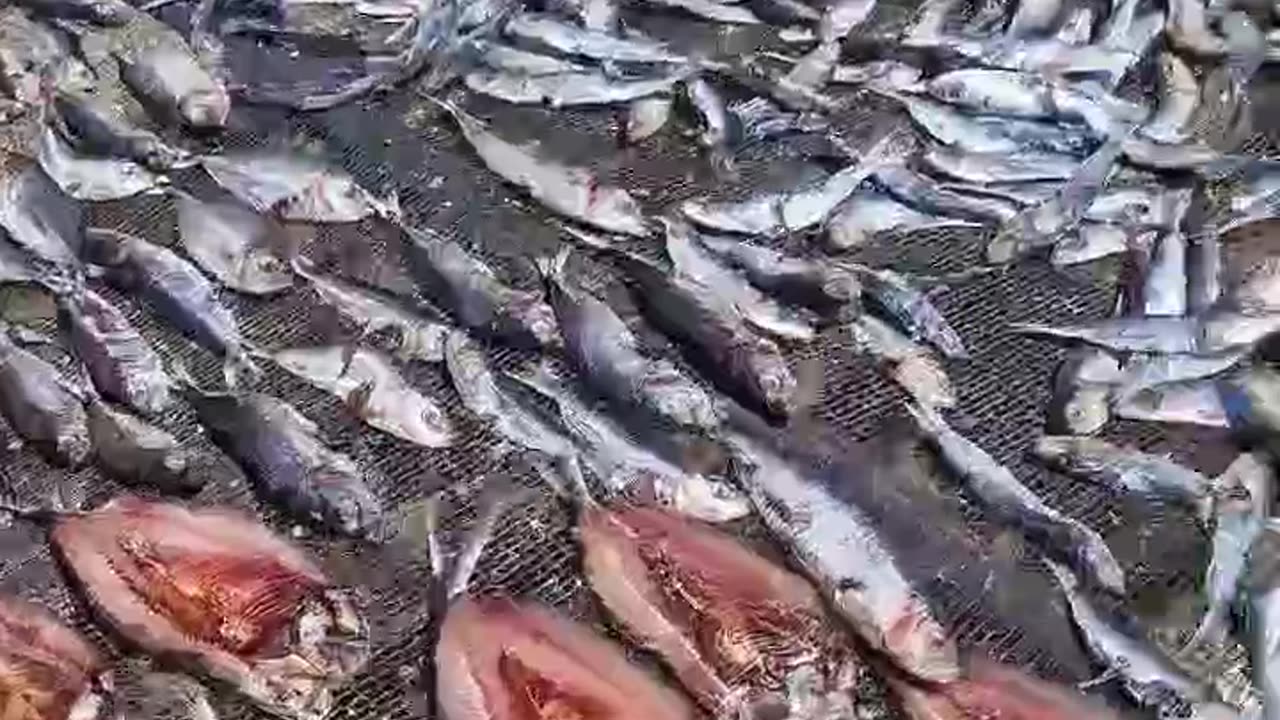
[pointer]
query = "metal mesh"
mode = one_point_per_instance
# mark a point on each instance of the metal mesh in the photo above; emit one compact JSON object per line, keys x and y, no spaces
{"x":395,"y":141}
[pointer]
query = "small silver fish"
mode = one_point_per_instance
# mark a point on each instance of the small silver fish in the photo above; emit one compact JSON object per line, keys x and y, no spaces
{"x":911,"y":366}
{"x":121,"y":363}
{"x":815,"y":284}
{"x":712,"y":10}
{"x":573,"y":192}
{"x":925,"y":194}
{"x":889,"y":73}
{"x":565,"y":89}
{"x":1214,"y":332}
{"x":293,"y":187}
{"x":1164,"y":289}
{"x":373,"y":390}
{"x":41,"y":407}
{"x":999,"y":167}
{"x":1146,"y":370}
{"x":572,"y":40}
{"x":976,"y":133}
{"x":1127,"y":470}
{"x":232,"y":243}
{"x":1013,"y":503}
{"x":507,"y":58}
{"x":1000,"y":92}
{"x":890,"y":294}
{"x":867,"y":213}
{"x":159,"y":67}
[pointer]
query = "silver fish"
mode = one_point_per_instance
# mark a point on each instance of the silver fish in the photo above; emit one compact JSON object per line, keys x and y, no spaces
{"x":999,"y":167}
{"x":925,"y":194}
{"x":573,"y":192}
{"x":607,"y":356}
{"x":1179,"y":96}
{"x":36,"y":215}
{"x":712,"y":119}
{"x":1082,"y":386}
{"x":1164,"y":290}
{"x":95,"y":122}
{"x":760,"y":119}
{"x":867,"y":213}
{"x":92,"y":178}
{"x":571,"y":40}
{"x":911,"y":366}
{"x":711,"y":10}
{"x":646,"y":117}
{"x":890,"y":73}
{"x":121,"y":363}
{"x":1127,"y":470}
{"x":1136,"y":205}
{"x":137,"y":453}
{"x":1000,"y":92}
{"x":1013,"y":503}
{"x":815,"y":284}
{"x":890,"y":294}
{"x":294,"y":186}
{"x":976,"y":133}
{"x":159,"y":67}
{"x":1189,"y":156}
{"x":565,"y":90}
{"x":691,"y":260}
{"x":42,"y":407}
{"x":1193,"y":402}
{"x":232,"y":243}
{"x":507,"y":58}
{"x":373,"y":390}
{"x":1215,"y":332}
{"x":839,"y":548}
{"x":1090,"y":241}
{"x":1149,"y":370}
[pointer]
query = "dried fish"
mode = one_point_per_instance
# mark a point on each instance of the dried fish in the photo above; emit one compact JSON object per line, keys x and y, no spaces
{"x":219,"y":594}
{"x":94,"y":123}
{"x":1179,"y":96}
{"x":977,"y":133}
{"x":740,"y":633}
{"x":36,"y":215}
{"x":571,"y":40}
{"x":999,"y":167}
{"x":1151,"y":477}
{"x":160,"y":68}
{"x":42,"y":407}
{"x":911,"y":366}
{"x":233,"y":244}
{"x":373,"y":391}
{"x":819,"y":285}
{"x":281,"y":452}
{"x":867,"y":213}
{"x":137,"y":453}
{"x":712,"y":10}
{"x":122,"y":364}
{"x":1215,"y":332}
{"x":92,"y":178}
{"x":927,"y":195}
{"x":1194,"y":402}
{"x":294,"y":186}
{"x":566,"y":89}
{"x":498,"y":660}
{"x":1082,"y":386}
{"x":49,"y":671}
{"x":515,"y":60}
{"x":891,"y":295}
{"x":573,"y":192}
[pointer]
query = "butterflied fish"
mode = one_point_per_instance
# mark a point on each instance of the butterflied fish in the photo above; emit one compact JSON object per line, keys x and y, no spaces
{"x":816,"y":284}
{"x":293,"y":186}
{"x":911,"y":366}
{"x":866,"y":213}
{"x":689,"y":258}
{"x":1213,"y":332}
{"x":573,"y":192}
{"x":219,"y":594}
{"x":1127,"y":470}
{"x":999,"y":167}
{"x":418,"y":337}
{"x":36,"y":215}
{"x":469,"y":288}
{"x":42,"y":407}
{"x":571,"y":40}
{"x":565,"y":89}
{"x":607,"y":356}
{"x":889,"y":294}
{"x":137,"y":453}
{"x":161,"y":69}
{"x":839,"y":548}
{"x":173,"y":288}
{"x":232,"y":243}
{"x":739,"y":632}
{"x":281,"y":452}
{"x":1011,"y":502}
{"x":927,"y":195}
{"x":92,"y":178}
{"x":373,"y":390}
{"x":48,"y":670}
{"x":122,"y":364}
{"x":499,"y":660}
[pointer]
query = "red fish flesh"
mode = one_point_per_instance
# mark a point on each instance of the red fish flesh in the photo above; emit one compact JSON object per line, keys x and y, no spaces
{"x":47,"y":671}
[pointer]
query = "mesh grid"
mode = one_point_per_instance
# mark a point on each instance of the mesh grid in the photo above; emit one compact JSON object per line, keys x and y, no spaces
{"x":397,"y":142}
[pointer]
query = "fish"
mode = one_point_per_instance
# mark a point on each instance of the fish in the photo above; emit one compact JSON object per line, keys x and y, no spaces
{"x":30,"y":51}
{"x":43,"y":408}
{"x":1151,"y":370}
{"x":646,"y":117}
{"x":710,"y":115}
{"x":1126,"y":470}
{"x":217,"y":593}
{"x":36,"y":215}
{"x":173,"y":288}
{"x":818,"y":285}
{"x":289,"y":465}
{"x":712,"y":10}
{"x":890,"y":73}
{"x":1045,"y":222}
{"x":137,"y":453}
{"x":690,"y":259}
{"x":418,"y":337}
{"x":233,"y":244}
{"x":1091,"y":241}
{"x":1013,"y":503}
{"x":1142,"y":206}
{"x":1034,"y":17}
{"x":714,"y":337}
{"x":94,"y":179}
{"x":293,"y":186}
{"x":632,"y":470}
{"x":161,"y":69}
{"x":787,"y":13}
{"x":1257,"y":289}
{"x":925,"y":194}
{"x":999,"y":92}
{"x":513,"y":420}
{"x":468,"y":287}
{"x":1194,"y":402}
{"x":568,"y":39}
{"x":100,"y":12}
{"x":94,"y":123}
{"x":566,"y":89}
{"x":608,"y":357}
{"x":1146,"y":675}
{"x":1204,"y":273}
{"x":998,"y":167}
{"x":573,"y":192}
{"x":1082,"y":388}
{"x":373,"y":390}
{"x":760,"y":119}
{"x":1164,"y":290}
{"x":891,"y":295}
{"x":865,"y":214}
{"x":145,"y":693}
{"x":911,"y":366}
{"x":119,"y":361}
{"x":1208,"y":334}
{"x":507,"y":58}
{"x":739,"y":632}
{"x":50,"y":671}
{"x":814,"y":69}
{"x":1245,"y":492}
{"x":1187,"y":156}
{"x":837,"y":547}
{"x":1179,"y":96}
{"x":1188,"y":31}
{"x":501,"y":660}
{"x":840,"y":17}
{"x":977,"y":133}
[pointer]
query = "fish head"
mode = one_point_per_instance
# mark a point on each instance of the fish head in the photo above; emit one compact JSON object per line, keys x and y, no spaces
{"x":776,"y":384}
{"x":72,"y":446}
{"x":1084,"y":410}
{"x":346,"y":502}
{"x":205,"y":109}
{"x":1054,"y":449}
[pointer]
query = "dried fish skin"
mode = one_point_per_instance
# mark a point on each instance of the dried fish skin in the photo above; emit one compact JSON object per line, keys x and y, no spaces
{"x":289,"y":465}
{"x":122,"y":364}
{"x":373,"y":390}
{"x":217,"y":593}
{"x":230,"y":242}
{"x":740,"y":633}
{"x":137,"y":453}
{"x":469,"y":288}
{"x":41,"y":407}
{"x":47,"y":670}
{"x":499,"y":660}
{"x":293,"y":187}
